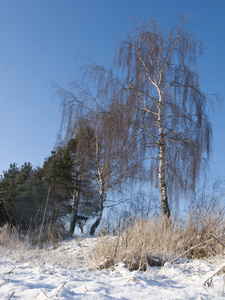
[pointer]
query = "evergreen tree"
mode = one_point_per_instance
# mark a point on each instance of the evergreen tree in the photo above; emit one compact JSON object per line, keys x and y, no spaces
{"x":70,"y":173}
{"x":31,"y":200}
{"x":8,"y":193}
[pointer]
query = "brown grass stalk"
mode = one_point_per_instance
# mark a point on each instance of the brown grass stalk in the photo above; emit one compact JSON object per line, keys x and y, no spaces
{"x":149,"y":242}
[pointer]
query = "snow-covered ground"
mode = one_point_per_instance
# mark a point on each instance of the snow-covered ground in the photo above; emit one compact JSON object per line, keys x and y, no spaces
{"x":68,"y":273}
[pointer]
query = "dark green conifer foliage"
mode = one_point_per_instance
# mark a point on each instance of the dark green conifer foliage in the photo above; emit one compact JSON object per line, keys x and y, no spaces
{"x":9,"y":190}
{"x":69,"y":173}
{"x":31,"y":201}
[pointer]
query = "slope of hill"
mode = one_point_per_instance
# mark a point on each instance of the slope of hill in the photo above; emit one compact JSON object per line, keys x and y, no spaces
{"x":69,"y":272}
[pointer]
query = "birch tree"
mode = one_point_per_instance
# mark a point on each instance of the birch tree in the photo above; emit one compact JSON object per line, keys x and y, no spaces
{"x":155,"y":85}
{"x":160,"y":109}
{"x":110,"y":150}
{"x":110,"y":143}
{"x":113,"y":156}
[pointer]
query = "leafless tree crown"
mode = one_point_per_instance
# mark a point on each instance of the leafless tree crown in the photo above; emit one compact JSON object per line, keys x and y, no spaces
{"x":151,"y":105}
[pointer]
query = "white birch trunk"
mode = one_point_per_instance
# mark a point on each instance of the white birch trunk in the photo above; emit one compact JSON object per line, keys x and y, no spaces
{"x":162,"y":182}
{"x":101,"y":200}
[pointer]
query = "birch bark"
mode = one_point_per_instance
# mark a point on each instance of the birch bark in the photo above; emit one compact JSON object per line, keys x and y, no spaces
{"x":98,"y":220}
{"x":162,"y":181}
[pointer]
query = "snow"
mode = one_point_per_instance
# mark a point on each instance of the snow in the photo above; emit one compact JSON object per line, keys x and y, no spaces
{"x":69,"y":272}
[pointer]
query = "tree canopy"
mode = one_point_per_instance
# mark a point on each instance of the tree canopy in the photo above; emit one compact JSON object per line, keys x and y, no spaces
{"x":152,"y":94}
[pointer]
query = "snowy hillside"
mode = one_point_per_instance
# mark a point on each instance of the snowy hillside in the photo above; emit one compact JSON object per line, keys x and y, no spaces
{"x":68,"y":272}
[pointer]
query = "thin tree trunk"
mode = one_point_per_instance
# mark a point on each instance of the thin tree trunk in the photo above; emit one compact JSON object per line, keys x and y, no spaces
{"x":81,"y":229}
{"x":73,"y":218}
{"x":97,"y":222}
{"x":162,"y":182}
{"x":43,"y":219}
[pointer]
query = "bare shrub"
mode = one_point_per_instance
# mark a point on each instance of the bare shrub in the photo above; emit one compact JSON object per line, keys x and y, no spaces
{"x":144,"y":243}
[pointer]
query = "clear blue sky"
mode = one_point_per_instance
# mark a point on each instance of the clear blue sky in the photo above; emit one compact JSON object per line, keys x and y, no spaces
{"x":40,"y":41}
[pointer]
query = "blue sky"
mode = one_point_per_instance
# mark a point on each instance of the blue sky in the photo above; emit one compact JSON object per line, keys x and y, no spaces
{"x":40,"y":43}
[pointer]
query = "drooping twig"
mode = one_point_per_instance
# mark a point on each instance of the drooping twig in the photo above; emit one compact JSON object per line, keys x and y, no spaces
{"x":209,"y":281}
{"x":55,"y":295}
{"x":11,"y":270}
{"x":192,"y":248}
{"x":61,"y":288}
{"x":218,"y":240}
{"x":11,"y":295}
{"x":44,"y":293}
{"x":3,"y":279}
{"x":182,"y":254}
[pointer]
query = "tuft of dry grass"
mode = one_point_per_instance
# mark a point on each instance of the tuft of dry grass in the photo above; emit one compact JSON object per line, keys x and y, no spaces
{"x":11,"y":237}
{"x":49,"y":234}
{"x":33,"y":247}
{"x":143,"y":243}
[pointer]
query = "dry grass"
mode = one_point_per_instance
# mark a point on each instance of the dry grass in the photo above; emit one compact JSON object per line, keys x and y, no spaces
{"x":33,"y":247}
{"x":49,"y":234}
{"x":137,"y":243}
{"x":12,"y":238}
{"x":9,"y":236}
{"x":155,"y":241}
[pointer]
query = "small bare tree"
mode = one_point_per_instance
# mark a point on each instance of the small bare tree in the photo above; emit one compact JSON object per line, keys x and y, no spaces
{"x":113,"y":155}
{"x":110,"y":143}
